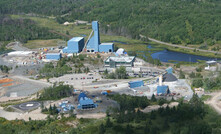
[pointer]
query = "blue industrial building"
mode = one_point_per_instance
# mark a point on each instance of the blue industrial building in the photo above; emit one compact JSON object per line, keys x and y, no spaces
{"x":93,"y":43}
{"x":53,"y":56}
{"x":163,"y":90}
{"x":106,"y":47}
{"x":134,"y":84}
{"x":85,"y":102}
{"x":75,"y":45}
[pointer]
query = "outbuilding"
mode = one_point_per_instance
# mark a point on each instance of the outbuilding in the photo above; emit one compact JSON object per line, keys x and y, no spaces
{"x":106,"y":47}
{"x":135,"y":84}
{"x":53,"y":56}
{"x":163,"y":90}
{"x":85,"y":102}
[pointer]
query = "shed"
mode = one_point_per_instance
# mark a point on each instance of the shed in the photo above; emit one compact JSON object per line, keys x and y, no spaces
{"x":85,"y":102}
{"x":120,"y":51}
{"x":164,"y":89}
{"x":106,"y":47}
{"x":53,"y":56}
{"x":134,"y":84}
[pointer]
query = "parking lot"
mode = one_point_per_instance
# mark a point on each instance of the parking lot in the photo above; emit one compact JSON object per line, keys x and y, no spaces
{"x":77,"y":80}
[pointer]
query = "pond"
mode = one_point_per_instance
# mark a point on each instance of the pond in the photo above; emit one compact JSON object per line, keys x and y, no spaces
{"x":168,"y":56}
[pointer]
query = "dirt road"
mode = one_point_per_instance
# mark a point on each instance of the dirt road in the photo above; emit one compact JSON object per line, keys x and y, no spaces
{"x":180,"y":46}
{"x":34,"y":115}
{"x":215,"y":101}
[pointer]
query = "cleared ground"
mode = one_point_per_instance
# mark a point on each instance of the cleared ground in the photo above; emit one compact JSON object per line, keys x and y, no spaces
{"x":22,"y":86}
{"x":33,"y":44}
{"x":214,"y":101}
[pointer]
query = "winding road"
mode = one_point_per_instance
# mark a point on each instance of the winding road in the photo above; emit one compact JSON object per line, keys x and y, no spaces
{"x":184,"y":47}
{"x":215,"y":101}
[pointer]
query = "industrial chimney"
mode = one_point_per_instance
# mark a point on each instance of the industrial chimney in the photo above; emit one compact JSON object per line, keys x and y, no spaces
{"x":160,"y":80}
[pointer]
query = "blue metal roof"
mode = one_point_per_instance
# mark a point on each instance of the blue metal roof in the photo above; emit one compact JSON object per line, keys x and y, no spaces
{"x":57,"y":54}
{"x":81,"y":95}
{"x":169,"y":70}
{"x":53,"y":56}
{"x":135,"y":81}
{"x":163,"y":89}
{"x":85,"y":101}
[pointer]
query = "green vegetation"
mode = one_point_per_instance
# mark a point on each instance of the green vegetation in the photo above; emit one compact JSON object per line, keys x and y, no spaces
{"x":120,"y":73}
{"x":180,"y":22}
{"x":52,"y":110}
{"x":192,"y":117}
{"x":56,"y":92}
{"x":132,"y":46}
{"x":197,"y":83}
{"x":42,"y":43}
{"x":4,"y":68}
{"x":49,"y":70}
{"x":128,"y":102}
{"x":3,"y":48}
{"x":210,"y":84}
{"x":22,"y":30}
{"x":205,"y":97}
{"x":185,"y":118}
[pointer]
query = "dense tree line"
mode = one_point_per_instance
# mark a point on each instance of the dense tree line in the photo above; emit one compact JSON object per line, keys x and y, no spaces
{"x":187,"y":22}
{"x":56,"y":92}
{"x":186,"y":118}
{"x":45,"y":7}
{"x":22,"y":30}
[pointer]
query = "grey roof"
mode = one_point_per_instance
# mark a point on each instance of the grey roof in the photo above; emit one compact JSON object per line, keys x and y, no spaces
{"x":169,"y":77}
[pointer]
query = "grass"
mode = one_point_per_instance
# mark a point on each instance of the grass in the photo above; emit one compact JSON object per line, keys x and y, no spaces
{"x":131,"y":44}
{"x":188,"y":51}
{"x":205,"y":97}
{"x":33,"y":44}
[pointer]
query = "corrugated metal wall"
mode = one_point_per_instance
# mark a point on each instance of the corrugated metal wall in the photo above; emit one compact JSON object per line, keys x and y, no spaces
{"x":135,"y":84}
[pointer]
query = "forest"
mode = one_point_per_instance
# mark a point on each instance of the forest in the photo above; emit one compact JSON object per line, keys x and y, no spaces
{"x":56,"y":92}
{"x":22,"y":30}
{"x":192,"y":117}
{"x":175,"y":21}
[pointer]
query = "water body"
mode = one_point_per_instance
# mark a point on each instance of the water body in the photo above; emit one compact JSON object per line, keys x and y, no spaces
{"x":168,"y":56}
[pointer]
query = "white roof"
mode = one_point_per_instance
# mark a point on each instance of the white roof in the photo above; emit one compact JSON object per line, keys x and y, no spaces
{"x":211,"y":62}
{"x":53,"y":53}
{"x":76,"y":39}
{"x":22,"y":53}
{"x":120,"y":58}
{"x":120,"y":51}
{"x":106,"y":43}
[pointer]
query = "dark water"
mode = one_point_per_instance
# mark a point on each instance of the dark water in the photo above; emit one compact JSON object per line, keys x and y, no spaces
{"x":166,"y":56}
